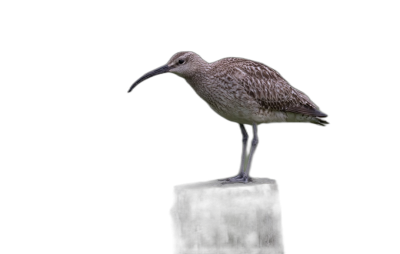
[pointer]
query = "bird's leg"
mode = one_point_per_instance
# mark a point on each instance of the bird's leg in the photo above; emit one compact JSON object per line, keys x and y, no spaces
{"x":245,"y":178}
{"x":244,"y":148}
{"x":245,"y":138}
{"x":254,"y":144}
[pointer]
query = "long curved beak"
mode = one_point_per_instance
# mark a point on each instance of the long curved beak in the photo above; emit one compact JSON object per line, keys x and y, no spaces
{"x":162,"y":69}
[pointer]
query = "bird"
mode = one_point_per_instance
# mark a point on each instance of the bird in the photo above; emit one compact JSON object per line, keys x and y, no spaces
{"x":242,"y":91}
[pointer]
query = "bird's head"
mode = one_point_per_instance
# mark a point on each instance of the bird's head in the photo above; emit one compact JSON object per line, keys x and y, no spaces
{"x":183,"y":64}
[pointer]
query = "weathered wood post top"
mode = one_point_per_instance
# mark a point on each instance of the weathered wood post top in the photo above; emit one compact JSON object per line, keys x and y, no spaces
{"x":212,"y":218}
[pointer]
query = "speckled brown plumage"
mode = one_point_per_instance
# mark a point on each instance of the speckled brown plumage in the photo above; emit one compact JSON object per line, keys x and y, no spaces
{"x":245,"y":91}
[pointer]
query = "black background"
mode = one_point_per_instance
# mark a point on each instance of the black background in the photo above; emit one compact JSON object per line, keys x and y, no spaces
{"x":122,"y":154}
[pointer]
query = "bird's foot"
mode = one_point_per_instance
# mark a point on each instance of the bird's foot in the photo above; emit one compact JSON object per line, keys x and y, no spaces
{"x":237,"y":179}
{"x":234,"y":177}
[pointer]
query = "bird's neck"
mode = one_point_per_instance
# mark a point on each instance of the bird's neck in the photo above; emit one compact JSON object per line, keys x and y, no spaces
{"x":200,"y":82}
{"x":199,"y":75}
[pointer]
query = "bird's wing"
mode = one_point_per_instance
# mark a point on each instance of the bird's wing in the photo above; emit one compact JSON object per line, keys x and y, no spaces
{"x":271,"y":90}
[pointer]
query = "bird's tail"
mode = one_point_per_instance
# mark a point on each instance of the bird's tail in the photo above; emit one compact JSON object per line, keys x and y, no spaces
{"x":319,"y":121}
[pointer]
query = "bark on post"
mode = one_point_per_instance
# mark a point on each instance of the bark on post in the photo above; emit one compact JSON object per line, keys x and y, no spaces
{"x":211,"y":218}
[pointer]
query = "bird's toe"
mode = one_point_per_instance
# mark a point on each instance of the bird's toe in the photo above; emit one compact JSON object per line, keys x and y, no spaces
{"x":241,"y":179}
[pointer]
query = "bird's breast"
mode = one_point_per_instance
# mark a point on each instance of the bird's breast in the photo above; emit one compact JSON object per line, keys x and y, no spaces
{"x":228,"y":100}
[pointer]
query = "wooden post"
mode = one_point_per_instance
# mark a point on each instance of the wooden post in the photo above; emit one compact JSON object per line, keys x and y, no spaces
{"x":211,"y":218}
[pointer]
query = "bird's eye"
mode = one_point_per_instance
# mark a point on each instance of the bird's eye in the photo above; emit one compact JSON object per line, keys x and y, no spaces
{"x":181,"y":61}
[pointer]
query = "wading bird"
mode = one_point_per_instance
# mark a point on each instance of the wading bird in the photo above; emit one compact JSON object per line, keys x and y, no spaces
{"x":242,"y":91}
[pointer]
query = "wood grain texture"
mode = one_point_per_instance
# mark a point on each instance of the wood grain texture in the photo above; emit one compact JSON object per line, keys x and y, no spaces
{"x":211,"y":218}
